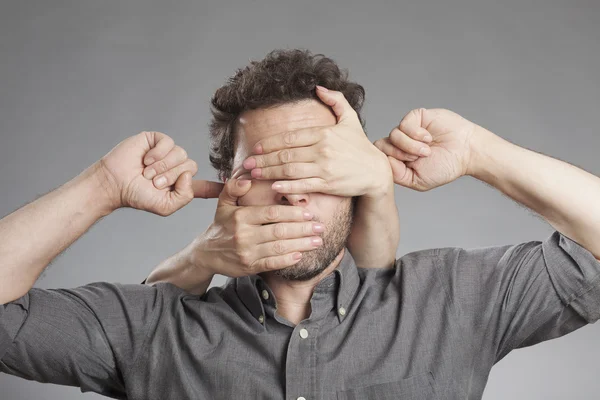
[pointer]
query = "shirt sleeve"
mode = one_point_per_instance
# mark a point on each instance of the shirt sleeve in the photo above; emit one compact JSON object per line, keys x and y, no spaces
{"x":87,"y":336}
{"x":519,"y":295}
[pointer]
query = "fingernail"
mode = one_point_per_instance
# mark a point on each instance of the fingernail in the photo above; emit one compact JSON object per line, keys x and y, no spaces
{"x":249,"y":163}
{"x":316,"y":241}
{"x":307,"y":215}
{"x":161,"y":181}
{"x":297,"y":256}
{"x":425,"y":151}
{"x":427,"y":138}
{"x":322,"y":88}
{"x":318,"y":227}
{"x":277,"y":186}
{"x":149,"y":160}
{"x":256,"y":172}
{"x":150,"y":173}
{"x":258,"y":149}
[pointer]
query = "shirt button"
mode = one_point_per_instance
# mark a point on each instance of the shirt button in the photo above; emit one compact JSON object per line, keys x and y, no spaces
{"x":342,"y":311}
{"x":261,"y":319}
{"x":303,"y":333}
{"x":300,"y":398}
{"x":265,"y":294}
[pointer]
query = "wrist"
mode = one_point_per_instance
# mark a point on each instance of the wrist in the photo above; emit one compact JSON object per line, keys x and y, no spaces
{"x":197,"y":258}
{"x":107,"y":194}
{"x":382,"y":183}
{"x":100,"y":187}
{"x":483,"y":147}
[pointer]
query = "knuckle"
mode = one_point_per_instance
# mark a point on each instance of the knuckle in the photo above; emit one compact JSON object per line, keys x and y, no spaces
{"x":402,"y":125}
{"x":307,"y":229}
{"x":245,"y":259}
{"x":284,"y":156}
{"x":289,"y":170}
{"x":161,"y":166}
{"x":326,"y":132}
{"x":238,"y":239}
{"x":327,"y":166}
{"x":289,"y":138}
{"x":326,"y":152}
{"x":238,"y":217}
{"x":270,"y":263}
{"x":182,"y":151}
{"x":272,"y":213}
{"x":279,"y":231}
{"x":279,"y":247}
{"x":307,"y":186}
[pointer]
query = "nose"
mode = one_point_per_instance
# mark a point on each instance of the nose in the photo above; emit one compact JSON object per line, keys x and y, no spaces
{"x":302,"y":199}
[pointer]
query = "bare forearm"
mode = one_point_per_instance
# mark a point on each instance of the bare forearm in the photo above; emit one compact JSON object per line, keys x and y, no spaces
{"x":375,"y":232}
{"x":182,"y":270}
{"x":566,"y":196}
{"x":32,"y":236}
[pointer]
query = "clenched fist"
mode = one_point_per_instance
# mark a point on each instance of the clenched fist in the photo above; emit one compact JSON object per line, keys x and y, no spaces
{"x":149,"y":172}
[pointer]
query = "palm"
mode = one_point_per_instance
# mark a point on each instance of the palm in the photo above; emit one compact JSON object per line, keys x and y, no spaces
{"x":449,"y":152}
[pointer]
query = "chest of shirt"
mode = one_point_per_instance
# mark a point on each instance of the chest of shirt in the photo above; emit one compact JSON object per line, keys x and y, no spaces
{"x":388,"y":345}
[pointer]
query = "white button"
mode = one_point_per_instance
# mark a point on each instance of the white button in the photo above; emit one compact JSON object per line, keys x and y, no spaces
{"x":261,"y":319}
{"x":265,"y":294}
{"x":342,"y":311}
{"x":303,"y":333}
{"x":300,"y":398}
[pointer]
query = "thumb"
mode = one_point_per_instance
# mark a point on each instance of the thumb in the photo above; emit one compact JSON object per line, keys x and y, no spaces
{"x":183,"y":192}
{"x":336,"y":100}
{"x":234,"y":188}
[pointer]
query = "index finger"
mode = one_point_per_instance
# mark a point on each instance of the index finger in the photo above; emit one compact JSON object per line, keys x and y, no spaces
{"x":207,"y":189}
{"x":298,"y":138}
{"x":261,"y":215}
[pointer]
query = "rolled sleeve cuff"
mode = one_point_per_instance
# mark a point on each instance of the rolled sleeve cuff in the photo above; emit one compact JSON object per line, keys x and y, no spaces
{"x":575,"y":274}
{"x":12,"y":317}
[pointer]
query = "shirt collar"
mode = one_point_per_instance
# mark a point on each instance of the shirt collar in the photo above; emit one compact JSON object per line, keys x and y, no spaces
{"x":336,"y":290}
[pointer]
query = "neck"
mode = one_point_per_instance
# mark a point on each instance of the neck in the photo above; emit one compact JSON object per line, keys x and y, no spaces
{"x":293,"y":297}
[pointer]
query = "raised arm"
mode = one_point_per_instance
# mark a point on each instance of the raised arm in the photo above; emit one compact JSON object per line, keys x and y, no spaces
{"x":32,"y":236}
{"x":87,"y":336}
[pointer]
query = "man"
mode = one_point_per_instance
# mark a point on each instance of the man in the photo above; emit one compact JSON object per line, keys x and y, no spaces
{"x":431,"y":326}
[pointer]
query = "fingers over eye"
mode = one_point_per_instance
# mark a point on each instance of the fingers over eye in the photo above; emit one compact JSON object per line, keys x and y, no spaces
{"x":287,"y":171}
{"x":279,"y":157}
{"x":308,"y":185}
{"x":298,"y":138}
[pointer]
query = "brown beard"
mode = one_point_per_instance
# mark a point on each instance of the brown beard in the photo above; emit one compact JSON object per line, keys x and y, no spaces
{"x":334,"y":240}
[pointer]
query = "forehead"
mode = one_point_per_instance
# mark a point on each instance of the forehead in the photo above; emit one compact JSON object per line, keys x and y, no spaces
{"x":255,"y":125}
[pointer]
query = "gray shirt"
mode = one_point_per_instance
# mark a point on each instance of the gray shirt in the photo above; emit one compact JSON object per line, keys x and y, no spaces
{"x":432,"y":327}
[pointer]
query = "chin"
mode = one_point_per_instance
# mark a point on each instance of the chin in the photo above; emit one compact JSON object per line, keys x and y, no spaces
{"x":314,"y":262}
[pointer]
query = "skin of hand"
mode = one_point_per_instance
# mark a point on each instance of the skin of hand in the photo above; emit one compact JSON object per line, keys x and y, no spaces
{"x":446,"y":156}
{"x":338,"y":160}
{"x":241,"y":241}
{"x":129,"y":167}
{"x":246,"y":240}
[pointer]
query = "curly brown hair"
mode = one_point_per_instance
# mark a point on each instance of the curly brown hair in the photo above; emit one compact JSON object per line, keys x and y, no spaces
{"x":283,"y":76}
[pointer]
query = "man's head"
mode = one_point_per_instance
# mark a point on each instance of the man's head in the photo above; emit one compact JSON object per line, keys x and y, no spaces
{"x":268,"y":97}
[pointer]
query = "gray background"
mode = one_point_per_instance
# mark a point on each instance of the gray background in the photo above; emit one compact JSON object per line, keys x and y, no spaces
{"x":77,"y":77}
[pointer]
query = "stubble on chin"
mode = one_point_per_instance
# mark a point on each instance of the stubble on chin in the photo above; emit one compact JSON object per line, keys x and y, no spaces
{"x":316,"y":261}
